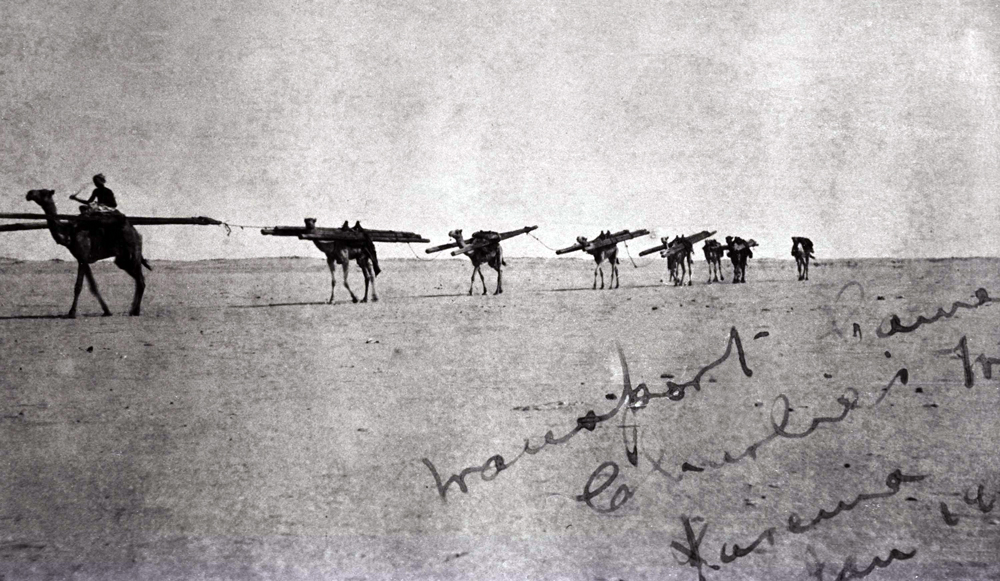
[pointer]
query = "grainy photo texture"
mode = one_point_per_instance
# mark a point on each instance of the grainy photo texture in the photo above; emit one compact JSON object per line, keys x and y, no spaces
{"x":452,"y":290}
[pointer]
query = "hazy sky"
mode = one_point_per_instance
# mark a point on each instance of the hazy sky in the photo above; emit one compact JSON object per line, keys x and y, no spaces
{"x":869,"y":126}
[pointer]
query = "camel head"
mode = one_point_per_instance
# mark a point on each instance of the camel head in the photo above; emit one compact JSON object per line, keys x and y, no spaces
{"x":310,"y":223}
{"x":40,"y":197}
{"x":582,"y":240}
{"x":456,"y":234}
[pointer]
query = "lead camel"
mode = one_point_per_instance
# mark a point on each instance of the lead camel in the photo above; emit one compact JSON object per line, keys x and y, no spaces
{"x":90,"y":242}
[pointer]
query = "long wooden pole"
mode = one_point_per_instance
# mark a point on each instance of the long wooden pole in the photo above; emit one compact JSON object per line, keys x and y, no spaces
{"x":18,"y":227}
{"x":112,"y":218}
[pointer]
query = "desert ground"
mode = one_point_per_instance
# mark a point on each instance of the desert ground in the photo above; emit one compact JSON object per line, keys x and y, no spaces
{"x":243,"y":429}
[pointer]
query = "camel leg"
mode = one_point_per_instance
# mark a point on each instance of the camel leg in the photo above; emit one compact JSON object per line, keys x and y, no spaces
{"x":369,"y":273}
{"x":472,"y":285}
{"x":332,"y":263}
{"x":499,"y":280}
{"x":140,"y":287}
{"x":614,"y":275}
{"x":93,"y":288}
{"x":364,"y":274}
{"x":353,"y":298}
{"x":482,"y":278}
{"x":595,"y":275}
{"x":76,"y":291}
{"x":370,"y":276}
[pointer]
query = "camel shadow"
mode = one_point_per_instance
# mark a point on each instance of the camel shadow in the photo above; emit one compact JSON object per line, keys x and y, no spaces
{"x":31,"y":317}
{"x":271,"y":305}
{"x":443,"y":296}
{"x":593,"y":290}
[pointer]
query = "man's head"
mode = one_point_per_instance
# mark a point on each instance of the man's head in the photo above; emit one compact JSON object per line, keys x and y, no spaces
{"x":99,"y":180}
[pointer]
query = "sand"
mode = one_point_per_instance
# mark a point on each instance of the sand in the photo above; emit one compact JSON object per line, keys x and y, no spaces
{"x":241,"y":428}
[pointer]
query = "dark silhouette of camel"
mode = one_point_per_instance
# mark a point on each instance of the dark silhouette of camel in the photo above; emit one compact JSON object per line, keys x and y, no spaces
{"x":609,"y":253}
{"x":342,"y":253}
{"x":489,"y":253}
{"x":713,"y":256}
{"x":802,"y":250}
{"x":89,"y":242}
{"x":679,"y":259}
{"x":739,"y":253}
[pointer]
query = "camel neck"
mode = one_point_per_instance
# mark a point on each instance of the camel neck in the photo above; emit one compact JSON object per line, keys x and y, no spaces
{"x":57,"y":230}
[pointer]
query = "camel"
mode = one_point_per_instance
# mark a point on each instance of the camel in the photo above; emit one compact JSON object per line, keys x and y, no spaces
{"x":681,"y":258}
{"x":739,"y":252}
{"x":713,"y":256}
{"x":343,"y":252}
{"x":609,"y":253}
{"x":491,"y":254}
{"x":802,"y":250}
{"x":90,"y":242}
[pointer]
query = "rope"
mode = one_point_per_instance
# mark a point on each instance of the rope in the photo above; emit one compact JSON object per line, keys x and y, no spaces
{"x":229,"y":227}
{"x":651,"y":261}
{"x":540,"y":242}
{"x":418,"y":257}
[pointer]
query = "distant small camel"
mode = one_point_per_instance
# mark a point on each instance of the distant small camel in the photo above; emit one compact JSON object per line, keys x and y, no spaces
{"x":609,"y":253}
{"x":802,"y":250}
{"x":89,"y":242}
{"x":739,"y":252}
{"x":679,"y":258}
{"x":489,"y":253}
{"x":342,"y":253}
{"x":713,"y":256}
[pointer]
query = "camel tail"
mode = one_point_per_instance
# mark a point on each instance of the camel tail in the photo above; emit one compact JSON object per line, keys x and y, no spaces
{"x":146,"y":264}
